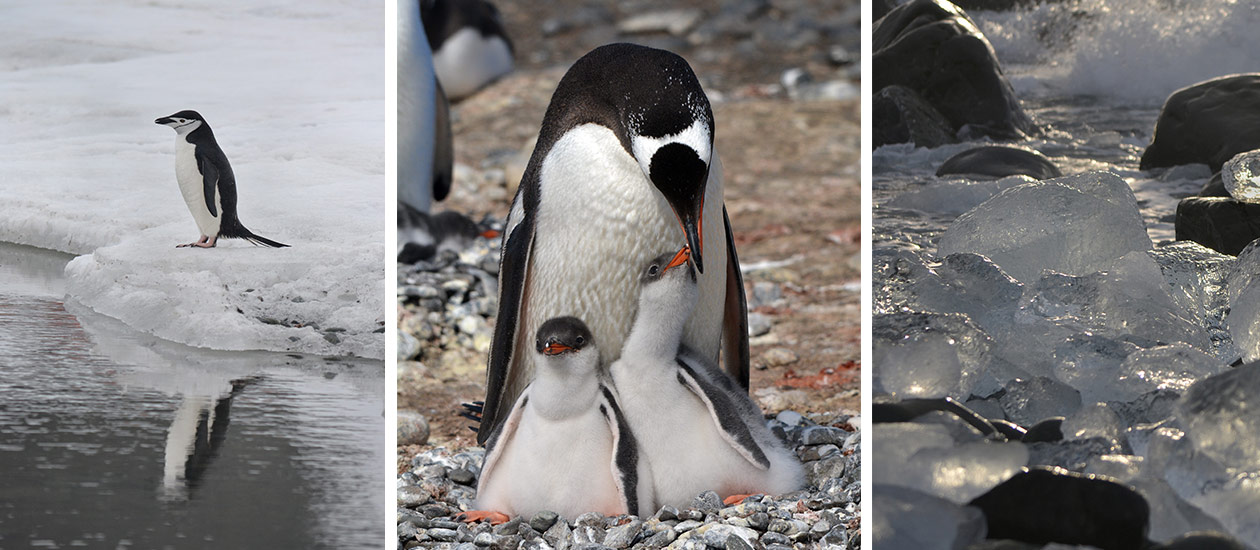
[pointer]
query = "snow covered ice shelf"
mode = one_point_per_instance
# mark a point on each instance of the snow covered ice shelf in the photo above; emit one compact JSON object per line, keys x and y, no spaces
{"x":295,"y":93}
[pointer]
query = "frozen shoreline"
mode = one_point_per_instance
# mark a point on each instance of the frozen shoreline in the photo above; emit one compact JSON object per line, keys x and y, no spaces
{"x":294,"y":92}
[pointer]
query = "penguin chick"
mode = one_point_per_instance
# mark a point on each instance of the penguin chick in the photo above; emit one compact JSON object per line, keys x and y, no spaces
{"x":698,"y":430}
{"x":206,"y":181}
{"x":565,"y":446}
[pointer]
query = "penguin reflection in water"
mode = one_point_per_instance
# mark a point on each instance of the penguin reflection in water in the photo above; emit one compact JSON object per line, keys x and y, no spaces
{"x":565,"y":446}
{"x":206,"y":182}
{"x":696,"y":428}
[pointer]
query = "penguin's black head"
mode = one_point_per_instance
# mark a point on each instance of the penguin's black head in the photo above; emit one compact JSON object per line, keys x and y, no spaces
{"x":667,"y":263}
{"x":182,"y":119}
{"x":563,"y":335}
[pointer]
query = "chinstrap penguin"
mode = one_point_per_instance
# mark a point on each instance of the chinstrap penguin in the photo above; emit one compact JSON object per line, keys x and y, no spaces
{"x":425,"y":148}
{"x":565,"y":446}
{"x":470,"y":46}
{"x":624,"y":167}
{"x":696,"y":428}
{"x":207,"y":183}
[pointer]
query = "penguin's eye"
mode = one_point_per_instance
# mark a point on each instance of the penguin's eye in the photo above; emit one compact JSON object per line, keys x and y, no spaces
{"x":653,"y":270}
{"x":580,"y":340}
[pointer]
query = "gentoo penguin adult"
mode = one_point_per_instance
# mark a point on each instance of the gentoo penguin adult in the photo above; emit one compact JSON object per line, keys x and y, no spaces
{"x":470,"y":46}
{"x":623,"y":168}
{"x":207,"y":183}
{"x":565,"y":446}
{"x":696,"y":428}
{"x":425,"y":153}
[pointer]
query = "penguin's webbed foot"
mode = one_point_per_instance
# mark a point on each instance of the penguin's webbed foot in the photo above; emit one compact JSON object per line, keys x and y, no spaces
{"x":736,"y":499}
{"x":203,"y":242}
{"x":473,"y":516}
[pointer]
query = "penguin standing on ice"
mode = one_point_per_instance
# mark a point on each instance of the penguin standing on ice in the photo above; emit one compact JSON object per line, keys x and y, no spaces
{"x":624,"y":168}
{"x":206,"y":181}
{"x":696,"y":428}
{"x":565,"y":426}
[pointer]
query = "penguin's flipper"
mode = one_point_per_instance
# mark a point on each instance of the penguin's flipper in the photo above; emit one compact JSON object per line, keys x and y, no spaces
{"x":209,"y":182}
{"x":726,"y":415}
{"x":735,"y":314}
{"x":504,"y":368}
{"x":500,"y":437}
{"x":443,"y":152}
{"x":625,"y":459}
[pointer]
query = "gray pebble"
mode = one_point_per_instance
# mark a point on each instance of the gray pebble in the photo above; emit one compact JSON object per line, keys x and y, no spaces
{"x":759,"y":521}
{"x":684,"y":526}
{"x":660,"y":538}
{"x":583,"y":534}
{"x":822,"y":435}
{"x":809,"y":454}
{"x":444,"y":535}
{"x":622,"y":536}
{"x":483,"y":539}
{"x":461,"y":476}
{"x":667,"y":513}
{"x":413,"y":429}
{"x":707,"y":501}
{"x":559,"y":533}
{"x":536,"y":544}
{"x":543,"y":520}
{"x":412,"y":496}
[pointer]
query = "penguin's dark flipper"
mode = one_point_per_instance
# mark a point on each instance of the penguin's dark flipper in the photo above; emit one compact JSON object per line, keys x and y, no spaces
{"x":209,"y":181}
{"x":443,"y":155}
{"x":625,"y":459}
{"x":735,"y":357}
{"x":497,"y":439}
{"x":503,"y":368}
{"x":726,"y":415}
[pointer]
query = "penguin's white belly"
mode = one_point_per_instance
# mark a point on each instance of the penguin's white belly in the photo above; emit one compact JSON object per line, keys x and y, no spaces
{"x":193,"y":189}
{"x":467,"y":61}
{"x":560,"y":465}
{"x":678,"y":437}
{"x":600,"y":221}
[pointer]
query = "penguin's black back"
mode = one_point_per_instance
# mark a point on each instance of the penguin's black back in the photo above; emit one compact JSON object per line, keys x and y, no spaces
{"x":443,"y":18}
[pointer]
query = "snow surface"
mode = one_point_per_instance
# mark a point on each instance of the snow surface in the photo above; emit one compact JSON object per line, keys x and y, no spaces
{"x":295,"y":94}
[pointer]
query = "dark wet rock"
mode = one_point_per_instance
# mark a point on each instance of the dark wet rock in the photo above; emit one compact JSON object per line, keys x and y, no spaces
{"x":461,"y":476}
{"x":1220,"y":223}
{"x":1207,"y":123}
{"x":1000,"y":161}
{"x":1053,"y":505}
{"x":933,"y":48}
{"x":413,"y":429}
{"x":1048,"y":430}
{"x":1215,"y":187}
{"x":543,"y":520}
{"x":901,"y":115}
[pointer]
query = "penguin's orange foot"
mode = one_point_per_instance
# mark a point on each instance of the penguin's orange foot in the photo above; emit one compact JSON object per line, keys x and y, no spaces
{"x":736,"y":499}
{"x":473,"y":516}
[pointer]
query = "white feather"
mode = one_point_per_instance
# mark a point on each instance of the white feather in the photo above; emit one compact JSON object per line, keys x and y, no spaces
{"x":192,"y":187}
{"x":467,"y":61}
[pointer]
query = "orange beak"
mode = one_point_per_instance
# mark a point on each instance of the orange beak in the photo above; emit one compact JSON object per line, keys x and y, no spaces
{"x":556,"y":348}
{"x":680,"y":258}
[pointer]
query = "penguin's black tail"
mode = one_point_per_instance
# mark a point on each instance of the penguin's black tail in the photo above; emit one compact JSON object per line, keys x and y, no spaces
{"x":231,"y":228}
{"x":472,"y":411}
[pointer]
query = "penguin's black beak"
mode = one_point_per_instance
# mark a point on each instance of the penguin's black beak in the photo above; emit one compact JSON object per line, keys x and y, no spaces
{"x":163,"y":120}
{"x":679,"y":174}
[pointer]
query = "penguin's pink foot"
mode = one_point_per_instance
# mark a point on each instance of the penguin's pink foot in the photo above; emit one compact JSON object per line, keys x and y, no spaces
{"x":204,"y":242}
{"x":473,"y":516}
{"x":736,"y":499}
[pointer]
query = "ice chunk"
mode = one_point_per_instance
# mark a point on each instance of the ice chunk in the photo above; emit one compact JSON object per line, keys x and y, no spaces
{"x":1027,"y":402}
{"x":955,"y":196}
{"x":907,"y":518}
{"x":1128,"y":301}
{"x":1173,"y":368}
{"x":1221,"y":415}
{"x":1196,"y":278}
{"x":1075,"y":225}
{"x":1087,"y":362}
{"x":928,"y":354}
{"x":967,"y":471}
{"x":1096,"y":420}
{"x":1171,"y":515}
{"x":1241,"y":176}
{"x":896,"y":442}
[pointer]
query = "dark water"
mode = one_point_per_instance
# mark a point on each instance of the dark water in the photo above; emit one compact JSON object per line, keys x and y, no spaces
{"x":112,"y":439}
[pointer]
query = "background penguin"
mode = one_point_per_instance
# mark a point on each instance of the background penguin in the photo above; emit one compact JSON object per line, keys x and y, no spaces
{"x":623,"y":168}
{"x":470,"y":47}
{"x":207,"y":183}
{"x":421,"y":237}
{"x":425,"y":153}
{"x":565,"y":446}
{"x":695,"y":427}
